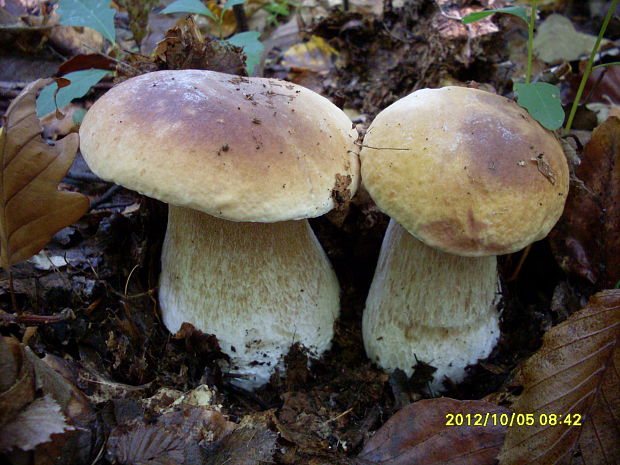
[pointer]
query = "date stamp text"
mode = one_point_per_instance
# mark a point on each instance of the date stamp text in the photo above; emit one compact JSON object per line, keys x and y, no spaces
{"x":513,"y":419}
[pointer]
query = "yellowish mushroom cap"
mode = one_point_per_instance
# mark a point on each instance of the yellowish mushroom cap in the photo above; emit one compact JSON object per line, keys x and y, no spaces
{"x":465,"y":171}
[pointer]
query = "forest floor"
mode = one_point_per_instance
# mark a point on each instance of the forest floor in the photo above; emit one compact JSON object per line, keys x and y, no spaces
{"x":82,"y":329}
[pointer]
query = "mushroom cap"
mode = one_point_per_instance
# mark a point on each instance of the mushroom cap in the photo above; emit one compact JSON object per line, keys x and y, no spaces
{"x":465,"y":171}
{"x":242,"y":149}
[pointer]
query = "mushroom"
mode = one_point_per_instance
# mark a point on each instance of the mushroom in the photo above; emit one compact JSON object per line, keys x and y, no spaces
{"x":243,"y":162}
{"x":465,"y":175}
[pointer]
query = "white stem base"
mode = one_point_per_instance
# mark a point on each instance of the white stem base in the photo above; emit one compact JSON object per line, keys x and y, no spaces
{"x":431,"y":306}
{"x":259,"y":287}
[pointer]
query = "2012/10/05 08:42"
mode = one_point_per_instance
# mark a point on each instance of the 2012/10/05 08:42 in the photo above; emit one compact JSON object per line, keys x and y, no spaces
{"x":513,"y":419}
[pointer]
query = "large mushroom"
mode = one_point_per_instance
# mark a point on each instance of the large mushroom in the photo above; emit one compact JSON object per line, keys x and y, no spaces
{"x":465,"y":175}
{"x":242,"y":162}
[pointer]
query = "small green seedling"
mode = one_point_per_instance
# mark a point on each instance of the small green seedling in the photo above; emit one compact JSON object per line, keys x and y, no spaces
{"x":98,"y":15}
{"x":542,"y":100}
{"x":248,"y":40}
{"x":278,"y":9}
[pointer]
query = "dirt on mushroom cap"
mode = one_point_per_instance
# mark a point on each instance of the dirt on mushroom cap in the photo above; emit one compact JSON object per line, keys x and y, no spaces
{"x":222,"y":144}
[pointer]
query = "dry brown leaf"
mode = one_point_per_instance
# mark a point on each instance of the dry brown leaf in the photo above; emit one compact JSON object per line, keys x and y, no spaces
{"x":34,"y":425}
{"x":418,"y":434}
{"x":185,"y":47}
{"x":586,"y":241}
{"x":246,"y":446}
{"x":176,"y":439}
{"x":32,"y":208}
{"x":576,"y":372}
{"x":57,"y":425}
{"x":598,"y":442}
{"x":17,"y":384}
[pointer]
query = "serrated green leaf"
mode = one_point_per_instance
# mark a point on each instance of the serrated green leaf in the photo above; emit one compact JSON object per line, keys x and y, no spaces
{"x":543,"y":102}
{"x":252,"y":48}
{"x":95,"y":14}
{"x":230,"y":3}
{"x":81,"y":83}
{"x":188,"y":6}
{"x":518,"y":11}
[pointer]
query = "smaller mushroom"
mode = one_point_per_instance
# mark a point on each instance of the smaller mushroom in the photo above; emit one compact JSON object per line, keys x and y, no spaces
{"x":447,"y":166}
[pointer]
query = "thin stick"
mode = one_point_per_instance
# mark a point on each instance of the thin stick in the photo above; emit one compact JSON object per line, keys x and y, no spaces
{"x":106,"y":196}
{"x":31,"y":319}
{"x":517,"y":270}
{"x":12,"y":292}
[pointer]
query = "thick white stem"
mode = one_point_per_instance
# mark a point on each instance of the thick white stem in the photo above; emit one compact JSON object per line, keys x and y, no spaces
{"x":426,"y":304}
{"x":259,"y":287}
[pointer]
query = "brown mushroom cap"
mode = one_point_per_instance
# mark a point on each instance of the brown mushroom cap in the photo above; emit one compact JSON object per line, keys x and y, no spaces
{"x":242,"y":149}
{"x":465,"y":171}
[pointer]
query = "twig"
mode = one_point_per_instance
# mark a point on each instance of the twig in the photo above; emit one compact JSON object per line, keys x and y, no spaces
{"x":346,"y":412}
{"x":106,"y":206}
{"x":12,"y":290}
{"x":517,"y":269}
{"x":106,"y":196}
{"x":32,"y":319}
{"x":84,"y":177}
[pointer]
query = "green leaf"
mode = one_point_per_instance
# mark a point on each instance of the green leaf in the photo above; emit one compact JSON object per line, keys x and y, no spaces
{"x":188,"y":6}
{"x":614,"y":63}
{"x":230,"y":3}
{"x":543,"y":102}
{"x":276,"y":9}
{"x":511,"y":10}
{"x":95,"y":14}
{"x":78,"y":116}
{"x":252,"y":48}
{"x":81,"y":82}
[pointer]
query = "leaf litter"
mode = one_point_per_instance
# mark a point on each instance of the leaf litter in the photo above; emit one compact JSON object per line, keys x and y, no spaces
{"x":325,"y":414}
{"x":575,"y":373}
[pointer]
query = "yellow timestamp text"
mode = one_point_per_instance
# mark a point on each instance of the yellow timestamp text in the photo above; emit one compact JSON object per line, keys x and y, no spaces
{"x":513,"y":419}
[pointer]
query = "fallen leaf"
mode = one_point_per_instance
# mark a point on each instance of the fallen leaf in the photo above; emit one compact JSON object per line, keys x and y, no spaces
{"x":17,"y":386}
{"x":575,"y":372}
{"x":418,"y":434}
{"x":586,"y":241}
{"x":448,"y":25}
{"x":315,"y":55}
{"x":43,"y":261}
{"x":246,"y":446}
{"x":598,"y":441}
{"x":58,"y":425}
{"x":184,"y":47}
{"x":88,"y":61}
{"x":34,"y":425}
{"x":176,"y":438}
{"x":603,"y":85}
{"x":148,"y":444}
{"x":557,"y":40}
{"x":32,"y":209}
